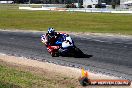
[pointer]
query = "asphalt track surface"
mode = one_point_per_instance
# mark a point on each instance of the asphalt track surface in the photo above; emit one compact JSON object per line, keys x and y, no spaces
{"x":110,"y":55}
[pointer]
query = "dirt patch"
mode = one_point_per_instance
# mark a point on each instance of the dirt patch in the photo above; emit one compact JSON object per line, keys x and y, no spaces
{"x":58,"y":80}
{"x":64,"y":76}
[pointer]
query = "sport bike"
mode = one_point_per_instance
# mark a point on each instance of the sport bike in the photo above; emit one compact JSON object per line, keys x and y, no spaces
{"x":63,"y":46}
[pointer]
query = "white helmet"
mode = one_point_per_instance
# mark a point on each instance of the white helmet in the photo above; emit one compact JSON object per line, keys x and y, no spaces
{"x":51,"y":30}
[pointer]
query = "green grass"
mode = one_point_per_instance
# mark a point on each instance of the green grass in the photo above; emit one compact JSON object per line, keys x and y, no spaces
{"x":11,"y":77}
{"x":12,"y":18}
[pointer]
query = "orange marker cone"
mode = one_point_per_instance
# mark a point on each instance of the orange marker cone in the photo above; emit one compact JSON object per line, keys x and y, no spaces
{"x":84,"y":73}
{"x":84,"y":80}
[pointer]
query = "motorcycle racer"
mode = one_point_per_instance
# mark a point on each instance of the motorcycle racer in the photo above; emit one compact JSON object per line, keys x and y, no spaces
{"x":60,"y":44}
{"x":50,"y":37}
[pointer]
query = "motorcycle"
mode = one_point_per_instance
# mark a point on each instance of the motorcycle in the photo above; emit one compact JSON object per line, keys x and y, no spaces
{"x":64,"y":46}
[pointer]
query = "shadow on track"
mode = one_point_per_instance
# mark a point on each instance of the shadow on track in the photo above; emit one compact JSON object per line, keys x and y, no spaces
{"x":84,"y":56}
{"x":76,"y":53}
{"x":80,"y":54}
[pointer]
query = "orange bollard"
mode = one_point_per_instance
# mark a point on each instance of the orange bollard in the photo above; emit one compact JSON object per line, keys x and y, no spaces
{"x":84,"y":80}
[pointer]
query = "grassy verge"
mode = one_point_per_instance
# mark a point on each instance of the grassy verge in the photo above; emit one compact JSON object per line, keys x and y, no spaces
{"x":21,"y":77}
{"x":12,"y":18}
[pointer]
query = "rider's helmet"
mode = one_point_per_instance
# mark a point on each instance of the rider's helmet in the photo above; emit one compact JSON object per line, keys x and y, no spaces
{"x":51,"y":30}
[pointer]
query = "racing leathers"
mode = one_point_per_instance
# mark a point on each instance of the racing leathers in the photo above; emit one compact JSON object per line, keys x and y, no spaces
{"x":50,"y":38}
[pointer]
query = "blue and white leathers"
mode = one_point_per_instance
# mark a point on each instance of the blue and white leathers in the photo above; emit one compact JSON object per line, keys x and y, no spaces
{"x":64,"y":41}
{"x":68,"y":42}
